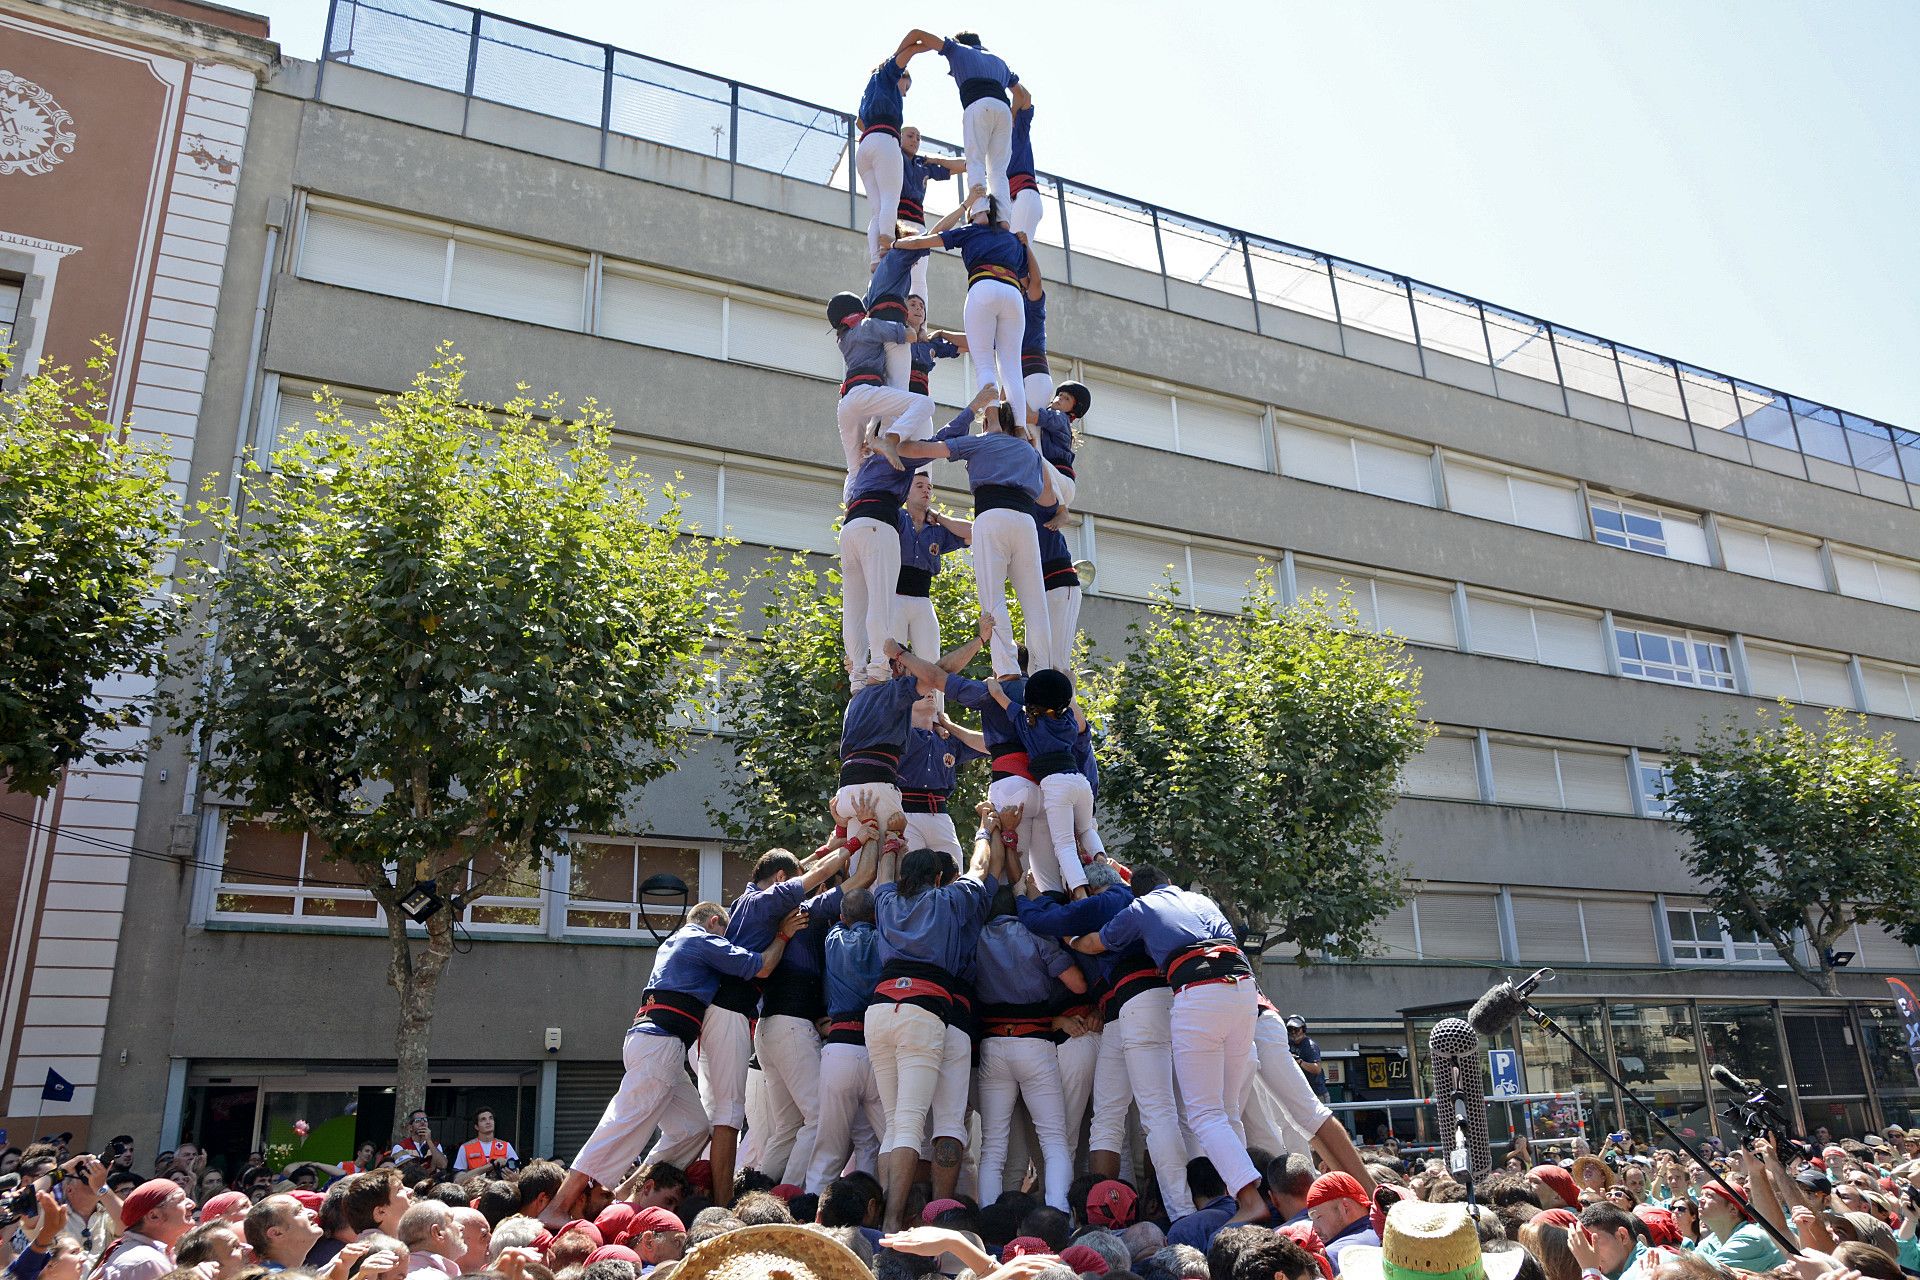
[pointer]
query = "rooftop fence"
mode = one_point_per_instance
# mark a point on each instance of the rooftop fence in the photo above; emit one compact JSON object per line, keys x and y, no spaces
{"x":1190,"y":265}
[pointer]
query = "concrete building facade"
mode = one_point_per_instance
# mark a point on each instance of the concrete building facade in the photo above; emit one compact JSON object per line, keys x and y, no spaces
{"x":1591,"y":550}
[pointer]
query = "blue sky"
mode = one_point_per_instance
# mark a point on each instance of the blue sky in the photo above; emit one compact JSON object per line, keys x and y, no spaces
{"x":1733,"y":184}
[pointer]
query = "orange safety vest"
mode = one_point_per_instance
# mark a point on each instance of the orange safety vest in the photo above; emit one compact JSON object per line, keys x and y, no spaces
{"x":479,"y":1153}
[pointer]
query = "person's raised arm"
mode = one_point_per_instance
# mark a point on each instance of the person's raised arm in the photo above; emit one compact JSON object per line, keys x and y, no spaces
{"x":947,"y":223}
{"x":1021,"y":98}
{"x":1036,"y":285}
{"x":932,"y":679}
{"x":983,"y":855}
{"x":925,"y":449}
{"x":770,"y":958}
{"x":972,"y":737}
{"x":915,"y":42}
{"x":955,"y":660}
{"x":999,"y":695}
{"x":824,"y":870}
{"x":1760,"y":1192}
{"x":961,"y":529}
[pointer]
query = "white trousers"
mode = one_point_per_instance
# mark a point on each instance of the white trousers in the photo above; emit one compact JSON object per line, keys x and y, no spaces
{"x":1078,"y":1058}
{"x":1063,"y":485}
{"x":1299,"y":1106}
{"x":1136,"y":1053}
{"x":1063,"y":618}
{"x":1039,"y":389}
{"x":933,"y":831}
{"x":1004,"y":793}
{"x":986,"y":131}
{"x":725,"y":1045}
{"x":869,"y":570}
{"x":899,"y":364}
{"x":908,"y":1048}
{"x":1026,"y":213}
{"x":917,"y":273}
{"x":916,"y":626}
{"x":947,"y":1116}
{"x":1213,"y":1054}
{"x":883,"y":798}
{"x":789,"y":1052}
{"x":654,"y":1092}
{"x":880,"y":165}
{"x":847,"y":1092}
{"x":1007,"y":552}
{"x":996,"y":322}
{"x":1069,"y":803}
{"x":902,"y":413}
{"x":1022,"y":1069}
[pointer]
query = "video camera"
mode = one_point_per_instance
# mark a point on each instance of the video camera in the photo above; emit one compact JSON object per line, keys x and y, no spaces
{"x":1759,"y":1114}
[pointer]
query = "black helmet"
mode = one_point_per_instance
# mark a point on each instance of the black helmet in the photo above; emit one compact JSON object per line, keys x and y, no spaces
{"x":1082,"y":398}
{"x":842,"y":305}
{"x":1049,"y":690}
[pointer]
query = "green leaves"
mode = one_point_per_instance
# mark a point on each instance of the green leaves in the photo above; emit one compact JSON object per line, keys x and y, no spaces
{"x":1260,"y":754}
{"x":1792,"y":828}
{"x":87,"y":525}
{"x":450,"y":628}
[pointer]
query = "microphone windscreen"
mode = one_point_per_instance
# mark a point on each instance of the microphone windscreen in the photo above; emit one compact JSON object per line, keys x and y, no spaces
{"x":1495,"y":1011}
{"x":1723,"y":1074}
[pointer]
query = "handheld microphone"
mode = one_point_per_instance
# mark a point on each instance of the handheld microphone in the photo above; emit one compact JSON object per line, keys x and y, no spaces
{"x":1495,"y":1011}
{"x":1459,"y":1095}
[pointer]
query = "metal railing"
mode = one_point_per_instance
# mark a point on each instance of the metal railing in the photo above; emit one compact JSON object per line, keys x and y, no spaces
{"x":1193,"y":266}
{"x":1415,"y":1122}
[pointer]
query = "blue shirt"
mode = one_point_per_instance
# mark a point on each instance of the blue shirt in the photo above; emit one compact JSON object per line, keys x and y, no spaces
{"x":931,"y":762}
{"x":925,"y":353}
{"x":922,"y":548}
{"x":692,"y":962}
{"x":1046,"y":735}
{"x":1056,"y":437}
{"x":1307,"y":1051}
{"x":1053,"y":543}
{"x":968,"y":63}
{"x":879,"y":715}
{"x":1071,"y":919}
{"x":894,"y":276}
{"x":984,"y":246}
{"x":881,"y":101}
{"x":996,"y":726}
{"x":937,"y":927}
{"x":1020,"y":155}
{"x":999,"y":459}
{"x":915,"y":172}
{"x":806,"y":951}
{"x":1017,"y":965}
{"x":864,"y":346}
{"x":1083,"y":760}
{"x":1034,"y":341}
{"x":1198,"y":1228}
{"x":853,"y":967}
{"x":875,"y":475}
{"x":1165,"y":921}
{"x":754,"y":919}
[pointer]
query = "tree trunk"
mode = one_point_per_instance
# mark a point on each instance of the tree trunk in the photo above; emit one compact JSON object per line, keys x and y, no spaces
{"x":415,"y":978}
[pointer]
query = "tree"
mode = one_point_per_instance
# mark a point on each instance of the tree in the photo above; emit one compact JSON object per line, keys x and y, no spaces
{"x":1800,"y":831}
{"x":1259,"y":754}
{"x":87,"y":526}
{"x":441,"y":639}
{"x":783,"y":702}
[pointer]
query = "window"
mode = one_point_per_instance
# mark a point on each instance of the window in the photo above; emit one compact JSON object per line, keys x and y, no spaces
{"x":1135,"y":564}
{"x":658,"y":311}
{"x":778,"y":335}
{"x":1799,"y":676}
{"x":1679,"y":657}
{"x":1319,"y":451}
{"x":605,"y":884}
{"x":1859,"y":573}
{"x":1446,"y":768}
{"x":1441,"y":924}
{"x":1653,"y":531}
{"x":1533,"y":502}
{"x":1415,"y":610}
{"x":1128,"y":411}
{"x":782,"y":509}
{"x":1529,"y":772}
{"x":268,"y":873}
{"x":1699,"y":934}
{"x":10,"y":287}
{"x":1655,"y":777}
{"x":1511,"y":628}
{"x":1768,"y":553}
{"x":1891,"y":691}
{"x":1588,"y":928}
{"x":1875,"y":947}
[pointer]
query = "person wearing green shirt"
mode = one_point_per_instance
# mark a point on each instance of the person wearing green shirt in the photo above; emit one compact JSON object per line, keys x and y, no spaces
{"x":1729,"y":1238}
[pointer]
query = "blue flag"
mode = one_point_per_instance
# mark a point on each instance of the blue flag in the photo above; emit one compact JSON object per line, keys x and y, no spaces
{"x":57,"y":1088}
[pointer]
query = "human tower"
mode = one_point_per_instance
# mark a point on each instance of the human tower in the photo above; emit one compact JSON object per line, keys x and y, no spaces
{"x":896,"y":988}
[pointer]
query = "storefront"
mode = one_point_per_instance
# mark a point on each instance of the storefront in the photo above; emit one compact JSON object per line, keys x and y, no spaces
{"x":1847,"y":1065}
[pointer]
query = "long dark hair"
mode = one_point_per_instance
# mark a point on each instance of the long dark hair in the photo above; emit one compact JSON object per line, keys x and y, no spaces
{"x":920,"y":870}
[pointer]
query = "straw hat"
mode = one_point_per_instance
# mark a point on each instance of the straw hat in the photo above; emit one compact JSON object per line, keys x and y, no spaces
{"x":1428,"y":1242}
{"x":773,"y":1251}
{"x":1591,"y":1172}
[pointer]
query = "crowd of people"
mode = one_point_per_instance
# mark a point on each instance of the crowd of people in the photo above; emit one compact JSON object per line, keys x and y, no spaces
{"x":1022,"y":1058}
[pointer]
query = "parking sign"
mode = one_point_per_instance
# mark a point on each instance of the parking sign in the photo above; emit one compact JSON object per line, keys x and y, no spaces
{"x":1503,"y":1073}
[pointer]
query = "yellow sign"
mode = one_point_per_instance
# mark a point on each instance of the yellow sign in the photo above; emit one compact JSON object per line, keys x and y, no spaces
{"x":1376,"y":1073}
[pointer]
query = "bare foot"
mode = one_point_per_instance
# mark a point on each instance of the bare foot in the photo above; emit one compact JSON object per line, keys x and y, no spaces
{"x":889,"y":448}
